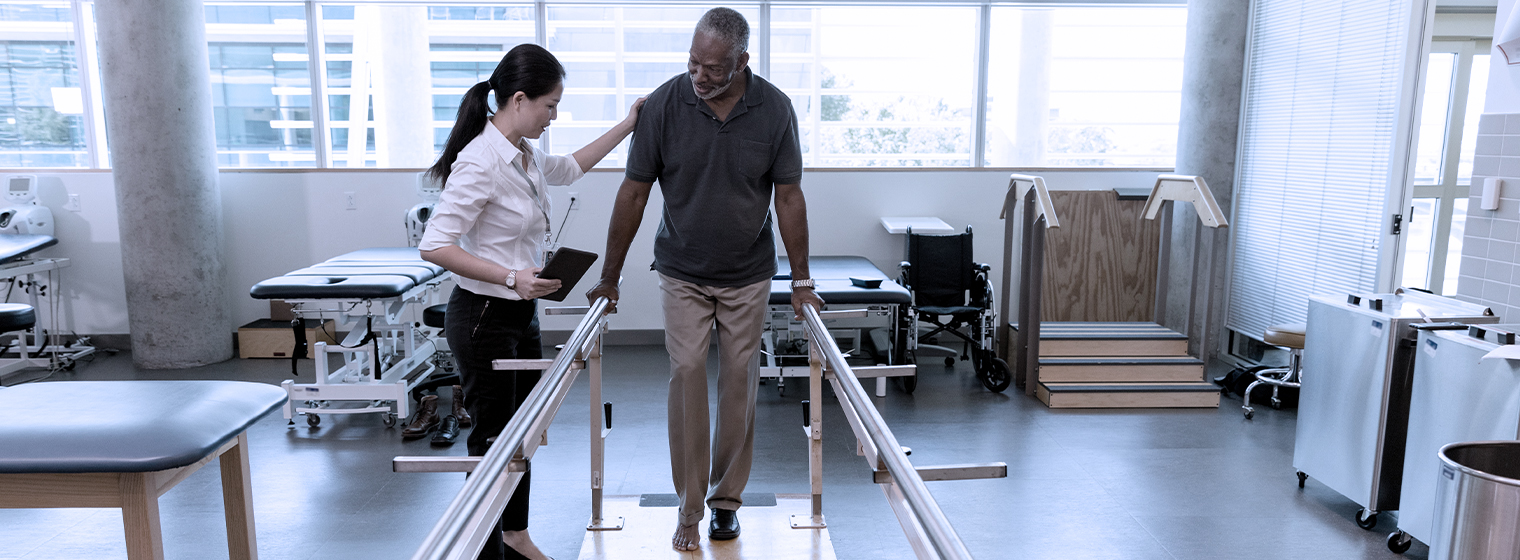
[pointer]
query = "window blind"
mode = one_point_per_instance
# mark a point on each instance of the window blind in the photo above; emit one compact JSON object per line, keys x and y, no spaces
{"x":1320,"y":122}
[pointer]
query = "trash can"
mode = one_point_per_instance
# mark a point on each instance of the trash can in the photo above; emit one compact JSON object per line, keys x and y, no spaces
{"x":1478,"y":502}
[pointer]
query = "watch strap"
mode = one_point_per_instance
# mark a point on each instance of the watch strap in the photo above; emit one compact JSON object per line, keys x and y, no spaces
{"x":803,"y":283}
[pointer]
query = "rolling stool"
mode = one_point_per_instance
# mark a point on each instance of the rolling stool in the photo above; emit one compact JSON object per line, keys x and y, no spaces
{"x":1290,"y":336}
{"x":446,"y":375}
{"x":17,"y":317}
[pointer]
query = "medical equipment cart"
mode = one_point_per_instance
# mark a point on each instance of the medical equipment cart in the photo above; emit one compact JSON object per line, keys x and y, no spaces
{"x":1455,"y":396}
{"x":1353,"y":408}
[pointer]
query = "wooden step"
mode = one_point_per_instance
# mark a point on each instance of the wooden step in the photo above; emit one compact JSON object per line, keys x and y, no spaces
{"x":1129,"y":395}
{"x":1147,"y":369}
{"x":1117,"y":339}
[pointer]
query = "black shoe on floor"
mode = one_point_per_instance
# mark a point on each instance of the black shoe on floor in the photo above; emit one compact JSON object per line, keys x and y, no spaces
{"x":448,"y":430}
{"x":725,"y":525}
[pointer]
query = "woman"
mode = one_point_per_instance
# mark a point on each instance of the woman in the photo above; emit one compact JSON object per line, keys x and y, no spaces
{"x":491,"y":229}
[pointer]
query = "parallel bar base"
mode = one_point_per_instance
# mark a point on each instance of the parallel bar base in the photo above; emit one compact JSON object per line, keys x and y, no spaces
{"x":768,"y":534}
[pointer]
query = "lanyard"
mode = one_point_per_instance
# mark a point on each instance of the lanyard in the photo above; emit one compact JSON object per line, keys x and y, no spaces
{"x":539,"y":200}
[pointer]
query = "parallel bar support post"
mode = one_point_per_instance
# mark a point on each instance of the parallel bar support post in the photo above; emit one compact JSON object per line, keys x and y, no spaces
{"x":599,"y":430}
{"x":1031,"y":274}
{"x":815,"y":439}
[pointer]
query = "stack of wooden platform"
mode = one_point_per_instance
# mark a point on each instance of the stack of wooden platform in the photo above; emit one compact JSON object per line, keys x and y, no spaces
{"x":1119,"y":365}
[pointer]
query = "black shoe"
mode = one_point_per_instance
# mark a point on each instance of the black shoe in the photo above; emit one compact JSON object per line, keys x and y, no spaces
{"x":725,"y":525}
{"x":448,"y":430}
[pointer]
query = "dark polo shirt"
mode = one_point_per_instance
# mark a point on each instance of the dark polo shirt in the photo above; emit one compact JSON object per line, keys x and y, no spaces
{"x":716,"y":178}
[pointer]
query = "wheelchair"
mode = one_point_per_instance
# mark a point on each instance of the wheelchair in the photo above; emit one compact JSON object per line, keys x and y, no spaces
{"x":952,"y":292}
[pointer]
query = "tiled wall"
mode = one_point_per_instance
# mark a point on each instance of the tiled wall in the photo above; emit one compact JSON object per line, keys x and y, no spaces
{"x":1490,"y":274}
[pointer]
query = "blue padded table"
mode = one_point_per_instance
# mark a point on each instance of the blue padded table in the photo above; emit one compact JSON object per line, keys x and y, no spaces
{"x":16,"y":246}
{"x":832,"y":275}
{"x":122,"y":444}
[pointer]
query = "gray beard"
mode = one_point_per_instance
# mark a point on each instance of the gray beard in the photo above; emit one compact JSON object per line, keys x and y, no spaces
{"x":715,"y":92}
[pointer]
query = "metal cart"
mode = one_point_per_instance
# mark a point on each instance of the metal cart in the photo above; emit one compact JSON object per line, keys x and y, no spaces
{"x":1455,"y":396}
{"x":1353,"y":408}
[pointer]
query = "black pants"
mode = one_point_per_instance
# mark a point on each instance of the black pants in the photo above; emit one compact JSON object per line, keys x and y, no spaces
{"x":481,"y":329}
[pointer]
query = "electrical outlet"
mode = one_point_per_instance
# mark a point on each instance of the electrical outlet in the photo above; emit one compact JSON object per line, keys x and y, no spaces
{"x":349,"y":201}
{"x":575,"y":201}
{"x":73,"y":204}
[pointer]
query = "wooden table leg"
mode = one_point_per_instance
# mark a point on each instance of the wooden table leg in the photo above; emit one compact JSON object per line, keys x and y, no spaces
{"x":139,"y":515}
{"x":237,"y":500}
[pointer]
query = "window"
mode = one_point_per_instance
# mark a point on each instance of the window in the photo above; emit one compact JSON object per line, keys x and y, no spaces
{"x":1084,"y":87}
{"x":1456,"y":80}
{"x":847,"y":70}
{"x":42,"y":107}
{"x":378,"y":83}
{"x":396,"y":74}
{"x":612,"y":56}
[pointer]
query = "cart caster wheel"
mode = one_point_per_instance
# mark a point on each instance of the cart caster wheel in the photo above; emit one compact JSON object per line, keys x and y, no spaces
{"x":1366,"y":521}
{"x":1302,"y":478}
{"x":313,"y":420}
{"x":908,"y":383}
{"x":950,"y":362}
{"x":781,"y":390}
{"x":1399,"y":542}
{"x":1276,"y":404}
{"x":389,"y":420}
{"x":996,"y":376}
{"x":1250,"y":413}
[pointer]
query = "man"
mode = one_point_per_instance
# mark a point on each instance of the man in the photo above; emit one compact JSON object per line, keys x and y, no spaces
{"x":721,"y":142}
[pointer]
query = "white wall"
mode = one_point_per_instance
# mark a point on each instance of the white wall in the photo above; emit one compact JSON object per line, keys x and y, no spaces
{"x":280,"y":221}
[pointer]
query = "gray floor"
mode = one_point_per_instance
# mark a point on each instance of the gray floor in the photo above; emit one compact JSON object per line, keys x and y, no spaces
{"x":1146,"y":484}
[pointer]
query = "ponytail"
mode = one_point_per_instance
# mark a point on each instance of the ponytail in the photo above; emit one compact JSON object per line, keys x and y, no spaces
{"x":474,"y":112}
{"x":527,"y":68}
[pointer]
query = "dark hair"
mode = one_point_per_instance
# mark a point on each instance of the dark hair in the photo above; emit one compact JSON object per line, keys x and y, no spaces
{"x":527,"y":68}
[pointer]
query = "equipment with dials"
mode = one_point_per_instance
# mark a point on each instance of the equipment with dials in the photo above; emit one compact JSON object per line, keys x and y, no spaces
{"x":24,"y":214}
{"x":416,"y":218}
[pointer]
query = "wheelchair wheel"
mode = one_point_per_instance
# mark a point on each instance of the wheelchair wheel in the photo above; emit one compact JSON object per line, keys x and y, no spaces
{"x":996,"y":376}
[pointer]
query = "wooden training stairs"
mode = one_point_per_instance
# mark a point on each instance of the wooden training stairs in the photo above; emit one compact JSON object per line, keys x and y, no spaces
{"x":1119,"y":365}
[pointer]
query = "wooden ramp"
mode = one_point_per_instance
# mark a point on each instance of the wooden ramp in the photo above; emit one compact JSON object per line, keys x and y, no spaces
{"x":766,"y":533}
{"x":1119,"y":365}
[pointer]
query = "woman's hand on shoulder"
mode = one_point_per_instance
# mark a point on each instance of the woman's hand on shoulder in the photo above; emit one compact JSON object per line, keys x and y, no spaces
{"x":633,"y":113}
{"x":530,"y":286}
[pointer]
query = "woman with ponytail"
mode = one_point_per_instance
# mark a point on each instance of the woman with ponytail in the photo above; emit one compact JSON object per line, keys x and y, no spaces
{"x":491,"y":229}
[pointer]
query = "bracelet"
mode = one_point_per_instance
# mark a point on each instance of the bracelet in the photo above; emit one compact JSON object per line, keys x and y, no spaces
{"x":803,"y":283}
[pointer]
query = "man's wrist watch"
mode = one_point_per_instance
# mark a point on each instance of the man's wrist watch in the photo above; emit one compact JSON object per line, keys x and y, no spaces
{"x":512,"y":280}
{"x":803,"y":283}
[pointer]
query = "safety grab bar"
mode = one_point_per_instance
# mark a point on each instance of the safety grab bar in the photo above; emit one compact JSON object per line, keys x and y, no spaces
{"x":921,"y":504}
{"x":468,"y":512}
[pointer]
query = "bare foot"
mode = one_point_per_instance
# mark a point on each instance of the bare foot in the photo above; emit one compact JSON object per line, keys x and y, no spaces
{"x":687,"y":537}
{"x":523,"y":544}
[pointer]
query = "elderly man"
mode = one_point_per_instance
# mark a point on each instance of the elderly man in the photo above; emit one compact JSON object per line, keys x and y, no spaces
{"x":721,"y":142}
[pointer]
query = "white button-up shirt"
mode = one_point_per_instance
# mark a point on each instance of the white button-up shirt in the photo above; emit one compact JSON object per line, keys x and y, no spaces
{"x":492,"y":210}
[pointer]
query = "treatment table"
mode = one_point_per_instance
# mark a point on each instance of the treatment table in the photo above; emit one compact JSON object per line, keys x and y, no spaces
{"x":19,"y":267}
{"x":370,"y":292}
{"x":122,"y":444}
{"x":783,"y":347}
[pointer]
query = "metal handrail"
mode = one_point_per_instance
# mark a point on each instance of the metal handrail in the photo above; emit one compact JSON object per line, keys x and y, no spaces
{"x":446,"y":535}
{"x":947,"y":543}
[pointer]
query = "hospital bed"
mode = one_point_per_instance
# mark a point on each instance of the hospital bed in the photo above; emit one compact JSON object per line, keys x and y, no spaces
{"x":861,"y":299}
{"x":38,"y":346}
{"x":372,"y":294}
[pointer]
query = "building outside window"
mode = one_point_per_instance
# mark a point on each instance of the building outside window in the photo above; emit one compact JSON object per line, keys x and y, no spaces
{"x":873,"y":85}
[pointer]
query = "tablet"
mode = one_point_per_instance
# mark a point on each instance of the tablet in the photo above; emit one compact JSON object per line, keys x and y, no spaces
{"x":567,"y":265}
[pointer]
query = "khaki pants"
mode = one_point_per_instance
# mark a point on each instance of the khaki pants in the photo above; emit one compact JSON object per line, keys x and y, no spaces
{"x":691,"y":310}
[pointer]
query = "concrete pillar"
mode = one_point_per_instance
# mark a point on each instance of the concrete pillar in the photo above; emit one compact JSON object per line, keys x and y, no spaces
{"x":1197,"y":258}
{"x":163,"y":156}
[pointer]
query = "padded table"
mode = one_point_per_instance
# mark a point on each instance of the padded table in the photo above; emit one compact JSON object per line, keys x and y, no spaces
{"x":832,"y":274}
{"x":122,"y":444}
{"x":16,"y":246}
